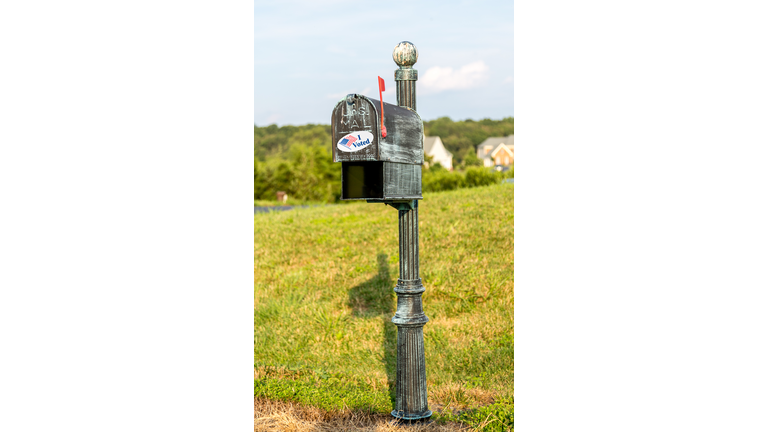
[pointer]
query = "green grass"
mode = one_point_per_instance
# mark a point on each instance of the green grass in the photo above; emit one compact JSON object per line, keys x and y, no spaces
{"x":289,"y":202}
{"x":323,"y":302}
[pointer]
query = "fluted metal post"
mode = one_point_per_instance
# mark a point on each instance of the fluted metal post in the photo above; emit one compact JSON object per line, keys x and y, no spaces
{"x":411,"y":381}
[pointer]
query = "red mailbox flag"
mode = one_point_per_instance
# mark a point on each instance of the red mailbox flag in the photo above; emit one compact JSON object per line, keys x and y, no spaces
{"x":381,"y":100}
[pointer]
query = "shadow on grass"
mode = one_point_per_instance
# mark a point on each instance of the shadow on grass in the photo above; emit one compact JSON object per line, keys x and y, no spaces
{"x":375,"y":297}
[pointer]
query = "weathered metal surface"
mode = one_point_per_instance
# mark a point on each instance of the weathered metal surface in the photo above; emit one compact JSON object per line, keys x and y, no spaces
{"x":406,"y":74}
{"x":355,"y":113}
{"x":411,"y":380}
{"x":402,"y":181}
{"x":411,"y":388}
{"x":406,"y":55}
{"x":405,"y":136}
{"x":377,"y":168}
{"x":411,"y":376}
{"x":406,"y":93}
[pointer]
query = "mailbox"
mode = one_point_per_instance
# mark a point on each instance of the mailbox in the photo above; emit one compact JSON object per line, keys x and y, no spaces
{"x":374,"y":167}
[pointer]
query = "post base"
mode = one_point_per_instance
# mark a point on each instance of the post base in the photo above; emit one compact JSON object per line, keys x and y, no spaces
{"x":411,"y":417}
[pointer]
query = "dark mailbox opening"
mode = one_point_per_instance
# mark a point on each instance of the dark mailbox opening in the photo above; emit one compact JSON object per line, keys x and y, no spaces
{"x":362,"y":180}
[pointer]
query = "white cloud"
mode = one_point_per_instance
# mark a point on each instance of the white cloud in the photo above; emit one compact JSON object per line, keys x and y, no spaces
{"x":509,"y":79}
{"x":437,"y":79}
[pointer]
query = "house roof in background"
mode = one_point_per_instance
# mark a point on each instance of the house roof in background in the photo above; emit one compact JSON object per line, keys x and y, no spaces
{"x":429,"y":142}
{"x":494,"y":142}
{"x":502,"y":146}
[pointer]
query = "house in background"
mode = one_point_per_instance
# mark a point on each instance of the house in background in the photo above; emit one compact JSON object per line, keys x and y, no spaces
{"x":499,"y":152}
{"x":434,"y":147}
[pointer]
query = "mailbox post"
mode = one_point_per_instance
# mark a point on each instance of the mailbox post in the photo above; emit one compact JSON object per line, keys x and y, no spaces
{"x":386,"y":168}
{"x":411,"y":382}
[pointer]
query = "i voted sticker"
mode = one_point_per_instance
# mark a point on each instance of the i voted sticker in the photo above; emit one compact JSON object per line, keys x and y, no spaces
{"x":355,"y":141}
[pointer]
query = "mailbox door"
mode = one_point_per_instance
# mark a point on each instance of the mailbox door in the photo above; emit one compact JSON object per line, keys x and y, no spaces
{"x":355,"y":130}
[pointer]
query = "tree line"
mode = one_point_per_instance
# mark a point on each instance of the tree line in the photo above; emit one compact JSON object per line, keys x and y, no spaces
{"x":298,"y":159}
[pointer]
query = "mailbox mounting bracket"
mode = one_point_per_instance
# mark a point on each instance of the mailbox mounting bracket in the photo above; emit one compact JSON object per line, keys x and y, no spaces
{"x":400,"y":205}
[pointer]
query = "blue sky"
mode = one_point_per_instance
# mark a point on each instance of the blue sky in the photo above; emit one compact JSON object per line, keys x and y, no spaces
{"x":309,"y":54}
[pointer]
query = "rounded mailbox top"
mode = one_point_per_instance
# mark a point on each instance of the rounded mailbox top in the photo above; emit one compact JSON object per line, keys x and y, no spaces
{"x":405,"y":54}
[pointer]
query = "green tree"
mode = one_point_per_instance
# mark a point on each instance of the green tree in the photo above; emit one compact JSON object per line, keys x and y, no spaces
{"x":471,"y":159}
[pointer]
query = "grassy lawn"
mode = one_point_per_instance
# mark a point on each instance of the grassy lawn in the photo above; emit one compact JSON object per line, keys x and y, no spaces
{"x":324,"y":279}
{"x":289,"y":202}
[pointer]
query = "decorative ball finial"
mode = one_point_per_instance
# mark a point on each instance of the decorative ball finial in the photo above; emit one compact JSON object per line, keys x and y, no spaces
{"x":405,"y":54}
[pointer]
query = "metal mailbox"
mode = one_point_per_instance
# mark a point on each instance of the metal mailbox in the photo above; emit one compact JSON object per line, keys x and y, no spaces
{"x":376,"y":166}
